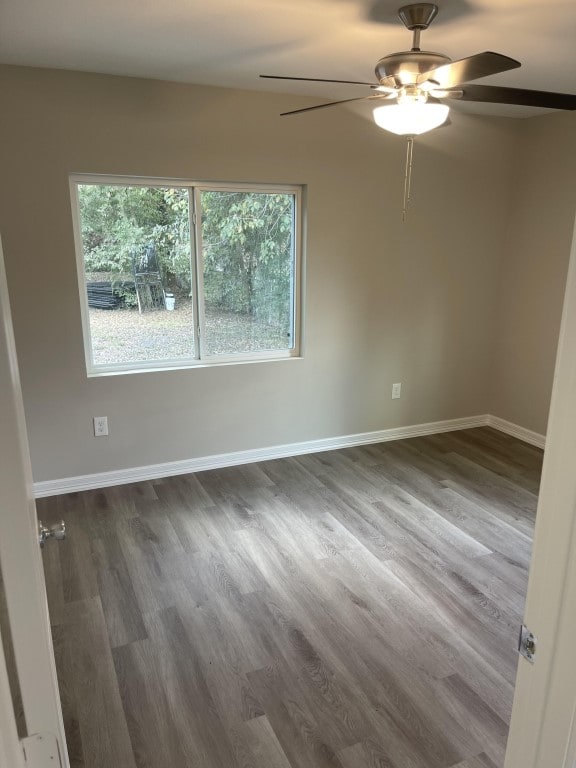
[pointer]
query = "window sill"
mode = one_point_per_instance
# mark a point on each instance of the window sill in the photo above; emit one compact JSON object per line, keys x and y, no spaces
{"x":203,"y":364}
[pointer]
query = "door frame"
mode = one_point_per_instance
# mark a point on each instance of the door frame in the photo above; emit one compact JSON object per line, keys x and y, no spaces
{"x":542,"y":732}
{"x":20,"y":558}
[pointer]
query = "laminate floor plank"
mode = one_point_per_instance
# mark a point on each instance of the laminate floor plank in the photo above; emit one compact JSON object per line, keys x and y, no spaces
{"x":309,"y":677}
{"x":225,"y":629}
{"x":149,"y":567}
{"x":347,"y":609}
{"x":517,"y":455}
{"x":485,"y":456}
{"x":121,"y":610}
{"x":485,"y":481}
{"x":423,"y":473}
{"x":488,"y":529}
{"x":264,"y":745}
{"x":295,"y":728}
{"x":78,"y":574}
{"x":63,"y":655}
{"x":100,"y":719}
{"x":379,"y":608}
{"x":510,"y":568}
{"x":483,"y":634}
{"x":471,"y":712}
{"x":362,"y":522}
{"x":195,"y":708}
{"x":151,"y":696}
{"x":367,"y":754}
{"x":387,"y":707}
{"x":452,"y":470}
{"x":480,"y":761}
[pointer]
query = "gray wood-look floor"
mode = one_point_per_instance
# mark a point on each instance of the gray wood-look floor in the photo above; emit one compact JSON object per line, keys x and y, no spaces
{"x":349,"y":609}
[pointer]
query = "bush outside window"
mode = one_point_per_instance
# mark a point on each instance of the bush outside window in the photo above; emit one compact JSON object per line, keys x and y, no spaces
{"x":175,"y":274}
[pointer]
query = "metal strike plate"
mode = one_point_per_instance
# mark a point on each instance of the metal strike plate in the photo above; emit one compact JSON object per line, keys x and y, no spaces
{"x":527,"y":644}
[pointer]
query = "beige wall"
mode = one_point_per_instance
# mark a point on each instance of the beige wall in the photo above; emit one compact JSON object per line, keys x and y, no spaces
{"x":538,"y":242}
{"x":384,"y":301}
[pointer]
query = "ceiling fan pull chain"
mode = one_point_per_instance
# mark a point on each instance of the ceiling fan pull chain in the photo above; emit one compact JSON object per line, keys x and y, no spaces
{"x":408,"y":176}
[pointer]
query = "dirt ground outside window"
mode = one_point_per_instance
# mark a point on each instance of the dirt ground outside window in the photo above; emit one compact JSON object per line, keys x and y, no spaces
{"x":124,"y":335}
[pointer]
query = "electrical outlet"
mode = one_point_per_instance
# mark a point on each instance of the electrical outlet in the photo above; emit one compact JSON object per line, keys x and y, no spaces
{"x":396,"y":391}
{"x":100,"y":426}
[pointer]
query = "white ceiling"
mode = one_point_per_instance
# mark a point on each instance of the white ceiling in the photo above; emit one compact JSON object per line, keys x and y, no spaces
{"x":230,"y":42}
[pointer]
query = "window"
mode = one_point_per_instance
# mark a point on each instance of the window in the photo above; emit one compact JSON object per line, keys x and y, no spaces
{"x":175,"y":274}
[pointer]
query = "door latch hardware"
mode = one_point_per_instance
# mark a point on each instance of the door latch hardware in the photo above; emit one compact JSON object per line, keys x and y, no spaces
{"x":527,"y":644}
{"x":57,"y":531}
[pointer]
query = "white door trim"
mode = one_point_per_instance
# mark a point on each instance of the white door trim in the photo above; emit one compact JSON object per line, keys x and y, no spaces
{"x":20,"y":558}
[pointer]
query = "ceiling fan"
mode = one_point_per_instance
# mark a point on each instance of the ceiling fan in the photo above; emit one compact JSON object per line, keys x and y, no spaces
{"x":418,"y":82}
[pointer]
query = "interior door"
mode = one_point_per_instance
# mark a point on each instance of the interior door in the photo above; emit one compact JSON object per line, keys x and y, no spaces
{"x":20,"y":558}
{"x":542,"y":733}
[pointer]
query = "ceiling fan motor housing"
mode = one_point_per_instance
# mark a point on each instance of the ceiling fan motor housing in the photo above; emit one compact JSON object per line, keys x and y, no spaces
{"x":405,"y":66}
{"x":418,"y":15}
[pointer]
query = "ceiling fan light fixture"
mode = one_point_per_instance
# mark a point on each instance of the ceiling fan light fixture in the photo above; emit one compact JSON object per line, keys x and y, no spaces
{"x":410,"y":118}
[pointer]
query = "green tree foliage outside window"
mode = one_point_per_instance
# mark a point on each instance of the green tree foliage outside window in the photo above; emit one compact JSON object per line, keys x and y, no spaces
{"x":247,"y":242}
{"x":247,"y":250}
{"x":120,"y":222}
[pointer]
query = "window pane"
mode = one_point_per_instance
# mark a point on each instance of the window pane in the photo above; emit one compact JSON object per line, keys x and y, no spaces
{"x":248,"y":268}
{"x":136,"y":247}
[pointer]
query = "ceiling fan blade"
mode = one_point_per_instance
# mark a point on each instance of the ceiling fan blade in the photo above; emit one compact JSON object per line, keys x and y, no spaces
{"x":332,"y":104}
{"x":496,"y":95}
{"x":471,"y":68}
{"x":450,"y":93}
{"x":317,"y":80}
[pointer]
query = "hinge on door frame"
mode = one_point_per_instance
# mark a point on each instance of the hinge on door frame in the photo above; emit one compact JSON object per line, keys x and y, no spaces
{"x":527,"y":643}
{"x":41,"y":750}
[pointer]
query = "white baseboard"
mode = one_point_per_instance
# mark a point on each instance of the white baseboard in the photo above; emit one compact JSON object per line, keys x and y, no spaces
{"x":534,"y":438}
{"x":154,"y":471}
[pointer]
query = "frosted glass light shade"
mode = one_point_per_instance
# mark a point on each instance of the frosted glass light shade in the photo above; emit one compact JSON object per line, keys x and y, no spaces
{"x":412,"y":118}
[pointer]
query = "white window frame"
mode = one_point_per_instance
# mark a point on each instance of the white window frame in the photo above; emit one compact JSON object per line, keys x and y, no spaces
{"x":200,"y":360}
